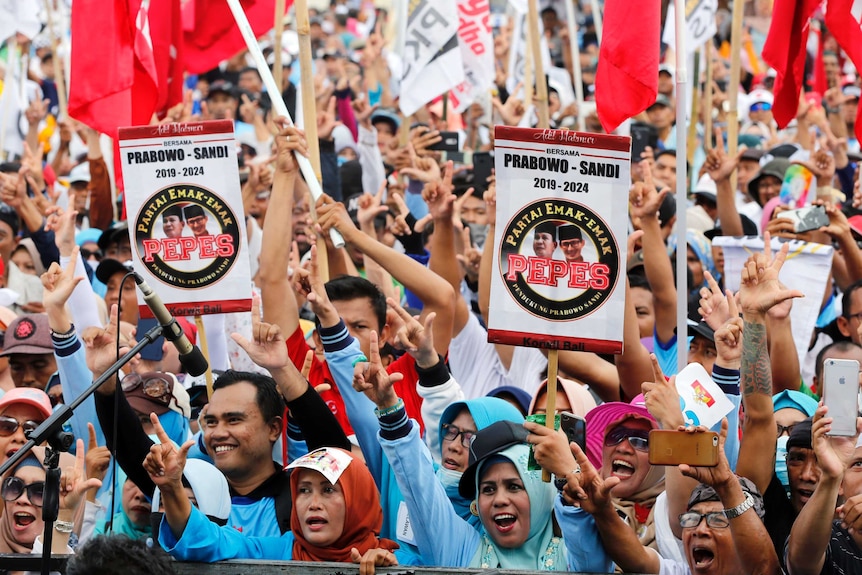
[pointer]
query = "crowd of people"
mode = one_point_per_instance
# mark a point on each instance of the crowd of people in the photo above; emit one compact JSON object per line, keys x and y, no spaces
{"x":358,"y":412}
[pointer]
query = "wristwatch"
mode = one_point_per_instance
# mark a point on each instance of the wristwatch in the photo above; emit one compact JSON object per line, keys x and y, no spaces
{"x":741,"y":508}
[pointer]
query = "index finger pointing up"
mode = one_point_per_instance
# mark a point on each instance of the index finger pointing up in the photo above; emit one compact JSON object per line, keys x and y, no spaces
{"x":160,"y":431}
{"x":658,"y":374}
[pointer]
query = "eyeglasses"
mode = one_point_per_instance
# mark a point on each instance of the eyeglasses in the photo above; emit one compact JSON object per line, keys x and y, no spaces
{"x":14,"y":487}
{"x":451,"y":433}
{"x":571,"y":243}
{"x":156,"y":386}
{"x":9,"y":425}
{"x":857,"y":315}
{"x":716,"y":519}
{"x":761,"y":107}
{"x":782,"y":429}
{"x":638,"y":438}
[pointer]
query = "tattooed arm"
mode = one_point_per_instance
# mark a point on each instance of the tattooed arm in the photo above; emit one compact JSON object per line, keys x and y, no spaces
{"x":759,"y":292}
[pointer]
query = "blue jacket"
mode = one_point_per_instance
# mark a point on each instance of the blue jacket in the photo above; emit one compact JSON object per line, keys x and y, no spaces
{"x":204,"y":541}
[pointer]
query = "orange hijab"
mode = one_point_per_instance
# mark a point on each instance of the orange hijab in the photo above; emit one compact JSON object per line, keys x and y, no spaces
{"x":363,"y":517}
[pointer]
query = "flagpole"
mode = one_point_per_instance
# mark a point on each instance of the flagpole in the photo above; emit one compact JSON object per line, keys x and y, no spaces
{"x":733,"y":87}
{"x":541,"y":95}
{"x":59,"y":80}
{"x":681,"y":195}
{"x":597,"y":18}
{"x":11,"y":47}
{"x":572,"y":24}
{"x":695,"y":103}
{"x":707,"y":121}
{"x":277,"y":71}
{"x":278,"y":105}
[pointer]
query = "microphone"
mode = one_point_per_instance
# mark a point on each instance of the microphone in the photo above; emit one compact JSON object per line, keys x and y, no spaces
{"x":191,"y":358}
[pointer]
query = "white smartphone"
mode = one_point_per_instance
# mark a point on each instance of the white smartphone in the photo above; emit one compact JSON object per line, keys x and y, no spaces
{"x":841,"y":394}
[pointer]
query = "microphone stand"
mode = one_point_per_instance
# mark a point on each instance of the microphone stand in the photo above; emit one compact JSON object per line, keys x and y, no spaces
{"x":51,"y":430}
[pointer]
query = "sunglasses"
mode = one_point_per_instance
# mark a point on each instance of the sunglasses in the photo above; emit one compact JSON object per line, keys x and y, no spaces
{"x":14,"y":487}
{"x":638,"y":438}
{"x":155,"y":386}
{"x":761,"y":107}
{"x":451,"y":433}
{"x":9,"y":425}
{"x":87,"y":254}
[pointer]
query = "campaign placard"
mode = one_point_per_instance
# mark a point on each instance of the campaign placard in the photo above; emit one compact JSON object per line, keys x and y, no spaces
{"x":185,"y":213}
{"x":560,"y":242}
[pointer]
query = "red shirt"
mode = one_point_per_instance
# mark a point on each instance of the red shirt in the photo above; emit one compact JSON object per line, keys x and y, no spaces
{"x":297,"y":348}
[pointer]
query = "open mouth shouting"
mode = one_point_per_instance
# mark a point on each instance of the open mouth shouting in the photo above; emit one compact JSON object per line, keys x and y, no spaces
{"x":702,"y":558}
{"x":504,"y":522}
{"x":21,"y":520}
{"x":622,"y":469}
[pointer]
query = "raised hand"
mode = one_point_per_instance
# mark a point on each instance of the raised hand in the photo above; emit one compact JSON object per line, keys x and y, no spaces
{"x":165,"y":463}
{"x":713,"y":476}
{"x":101,"y":351}
{"x":74,"y":483}
{"x":98,"y":457}
{"x":661,"y":398}
{"x":551,"y":449}
{"x":332,"y":214}
{"x":834,"y":453}
{"x":371,"y":378}
{"x":415,"y":338}
{"x":760,"y":289}
{"x":267,"y":347}
{"x":728,"y":338}
{"x":713,"y":303}
{"x":422,"y":138}
{"x":718,"y":164}
{"x":308,"y":283}
{"x":371,"y":206}
{"x":424,"y":169}
{"x":586,"y":485}
{"x":362,"y":111}
{"x":644,"y":199}
{"x":62,"y":223}
{"x":438,"y":195}
{"x":59,"y":283}
{"x":288,"y":141}
{"x":326,"y":120}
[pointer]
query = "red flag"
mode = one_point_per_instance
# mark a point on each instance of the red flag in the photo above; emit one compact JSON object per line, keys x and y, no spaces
{"x":627,"y":74}
{"x":166,"y":31}
{"x":845,"y":23}
{"x":820,"y":84}
{"x":122,"y":89}
{"x":785,"y":51}
{"x":211,"y":34}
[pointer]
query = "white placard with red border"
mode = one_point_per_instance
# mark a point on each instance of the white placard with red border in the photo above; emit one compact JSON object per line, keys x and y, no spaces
{"x":560,"y":242}
{"x":185,"y":213}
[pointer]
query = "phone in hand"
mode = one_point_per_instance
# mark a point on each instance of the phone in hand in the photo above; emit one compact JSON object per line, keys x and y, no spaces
{"x":575,"y":428}
{"x":643,"y":135}
{"x":483,"y":163}
{"x":667,"y":447}
{"x":806,"y":219}
{"x":841,"y":394}
{"x":448,"y":142}
{"x":152,"y":351}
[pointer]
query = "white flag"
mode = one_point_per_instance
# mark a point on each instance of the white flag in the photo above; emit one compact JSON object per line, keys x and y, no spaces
{"x":431,"y":57}
{"x":699,"y":24}
{"x":518,"y":50}
{"x":477,"y":52}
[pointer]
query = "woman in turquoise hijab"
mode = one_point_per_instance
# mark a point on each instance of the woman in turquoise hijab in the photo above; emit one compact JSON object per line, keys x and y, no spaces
{"x":514,"y":508}
{"x":458,"y":425}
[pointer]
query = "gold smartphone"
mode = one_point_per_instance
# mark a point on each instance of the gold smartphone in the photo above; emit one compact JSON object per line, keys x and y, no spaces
{"x":668,"y":447}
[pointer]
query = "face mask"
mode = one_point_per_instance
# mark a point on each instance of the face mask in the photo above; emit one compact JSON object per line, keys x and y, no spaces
{"x":780,"y":461}
{"x":342,"y":160}
{"x":450,"y":480}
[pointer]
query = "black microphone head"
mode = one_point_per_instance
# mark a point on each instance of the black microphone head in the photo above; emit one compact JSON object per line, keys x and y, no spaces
{"x":194,"y":362}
